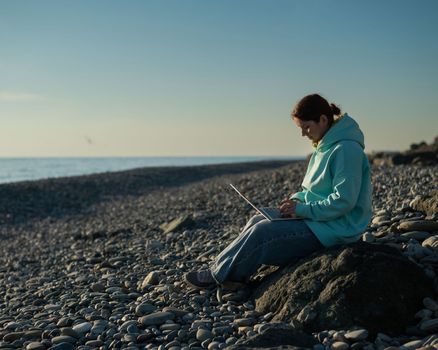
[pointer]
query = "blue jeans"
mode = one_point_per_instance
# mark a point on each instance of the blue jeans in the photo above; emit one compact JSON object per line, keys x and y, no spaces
{"x":266,"y":242}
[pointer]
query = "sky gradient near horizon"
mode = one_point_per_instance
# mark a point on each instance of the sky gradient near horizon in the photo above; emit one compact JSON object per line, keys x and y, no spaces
{"x":211,"y":78}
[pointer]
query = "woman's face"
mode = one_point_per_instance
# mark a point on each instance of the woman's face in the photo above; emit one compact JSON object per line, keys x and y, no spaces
{"x":311,"y":129}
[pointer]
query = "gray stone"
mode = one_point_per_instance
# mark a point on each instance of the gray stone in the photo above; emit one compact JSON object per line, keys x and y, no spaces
{"x":63,"y":346}
{"x":33,"y":333}
{"x":152,"y":278}
{"x":10,"y":337}
{"x":221,"y":330}
{"x":64,"y":322}
{"x":52,"y":307}
{"x":203,"y":334}
{"x":36,"y":345}
{"x":384,"y":337}
{"x":340,"y":345}
{"x":205,"y":343}
{"x":417,"y":235}
{"x":70,"y":332}
{"x":127,"y":324}
{"x":185,"y":221}
{"x":156,"y":318}
{"x":214,"y":345}
{"x":170,"y":326}
{"x":420,"y":225}
{"x":176,"y":311}
{"x":430,"y":304}
{"x":132,"y":329}
{"x":144,"y":309}
{"x":154,"y":245}
{"x":356,"y":335}
{"x":98,"y":287}
{"x":242,"y":322}
{"x":64,"y":339}
{"x":429,"y":325}
{"x":98,"y":329}
{"x":424,"y":313}
{"x":201,"y":324}
{"x":130,"y":337}
{"x":431,"y":242}
{"x":413,"y":344}
{"x":94,"y":343}
{"x":379,"y":219}
{"x":83,"y":327}
{"x":230,"y":340}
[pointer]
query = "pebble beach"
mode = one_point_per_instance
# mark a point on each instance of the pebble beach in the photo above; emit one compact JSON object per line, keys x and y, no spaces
{"x":86,"y":264}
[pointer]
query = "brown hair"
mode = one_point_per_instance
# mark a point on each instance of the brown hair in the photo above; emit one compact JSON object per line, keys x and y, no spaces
{"x":311,"y":107}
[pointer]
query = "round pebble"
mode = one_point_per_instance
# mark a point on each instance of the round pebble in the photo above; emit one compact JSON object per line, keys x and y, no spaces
{"x":203,"y":334}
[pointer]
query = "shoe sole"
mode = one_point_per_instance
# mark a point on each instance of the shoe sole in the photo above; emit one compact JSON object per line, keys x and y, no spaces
{"x":200,"y":285}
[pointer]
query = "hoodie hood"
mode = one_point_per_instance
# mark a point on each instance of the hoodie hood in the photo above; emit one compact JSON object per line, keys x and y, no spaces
{"x":344,"y":128}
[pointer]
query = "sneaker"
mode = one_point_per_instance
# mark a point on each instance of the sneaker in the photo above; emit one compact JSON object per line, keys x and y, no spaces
{"x":200,"y":279}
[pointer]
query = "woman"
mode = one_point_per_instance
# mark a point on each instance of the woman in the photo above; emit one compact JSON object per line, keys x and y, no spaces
{"x":334,"y":204}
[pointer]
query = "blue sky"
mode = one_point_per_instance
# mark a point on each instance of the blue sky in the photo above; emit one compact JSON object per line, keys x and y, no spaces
{"x":187,"y":78}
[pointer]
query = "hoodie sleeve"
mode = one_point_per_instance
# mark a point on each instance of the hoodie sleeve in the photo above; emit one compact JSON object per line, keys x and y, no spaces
{"x":347,"y":180}
{"x":299,"y":196}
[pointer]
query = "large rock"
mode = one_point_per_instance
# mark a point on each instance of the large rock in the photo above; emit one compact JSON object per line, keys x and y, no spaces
{"x":361,"y":284}
{"x":421,"y":154}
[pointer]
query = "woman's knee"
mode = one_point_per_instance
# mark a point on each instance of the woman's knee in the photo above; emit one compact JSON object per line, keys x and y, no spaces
{"x":260,"y":230}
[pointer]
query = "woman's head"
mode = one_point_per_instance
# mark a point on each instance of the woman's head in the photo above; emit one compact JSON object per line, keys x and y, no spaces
{"x":314,"y":115}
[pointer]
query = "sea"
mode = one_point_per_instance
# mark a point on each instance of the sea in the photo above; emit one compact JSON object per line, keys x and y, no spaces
{"x":24,"y":169}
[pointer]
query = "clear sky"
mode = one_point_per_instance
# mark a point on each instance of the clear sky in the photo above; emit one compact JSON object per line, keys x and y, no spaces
{"x":206,"y":78}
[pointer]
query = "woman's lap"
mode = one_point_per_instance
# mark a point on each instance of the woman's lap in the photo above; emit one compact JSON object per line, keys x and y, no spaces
{"x":280,"y":241}
{"x":265,"y":242}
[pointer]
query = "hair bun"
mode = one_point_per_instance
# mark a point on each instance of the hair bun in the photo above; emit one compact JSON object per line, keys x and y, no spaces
{"x":335,"y":109}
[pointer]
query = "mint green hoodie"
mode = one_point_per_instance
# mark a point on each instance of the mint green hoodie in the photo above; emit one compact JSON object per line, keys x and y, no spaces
{"x":336,"y":197}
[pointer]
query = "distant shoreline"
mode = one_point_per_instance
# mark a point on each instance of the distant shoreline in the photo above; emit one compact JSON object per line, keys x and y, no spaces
{"x":14,"y":170}
{"x":57,"y":197}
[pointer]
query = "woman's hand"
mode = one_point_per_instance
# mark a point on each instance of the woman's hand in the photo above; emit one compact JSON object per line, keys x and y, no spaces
{"x":287,"y":208}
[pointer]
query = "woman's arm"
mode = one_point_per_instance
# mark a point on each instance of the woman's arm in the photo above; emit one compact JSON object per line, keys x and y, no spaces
{"x":298,"y":196}
{"x":347,"y":180}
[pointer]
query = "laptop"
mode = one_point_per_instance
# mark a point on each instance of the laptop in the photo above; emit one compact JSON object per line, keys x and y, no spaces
{"x":272,"y":214}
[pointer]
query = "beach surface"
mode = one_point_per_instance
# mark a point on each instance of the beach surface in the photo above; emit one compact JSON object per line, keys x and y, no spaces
{"x":84,"y":262}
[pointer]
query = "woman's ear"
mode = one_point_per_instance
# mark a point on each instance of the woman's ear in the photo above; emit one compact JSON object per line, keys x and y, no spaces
{"x":323,"y":118}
